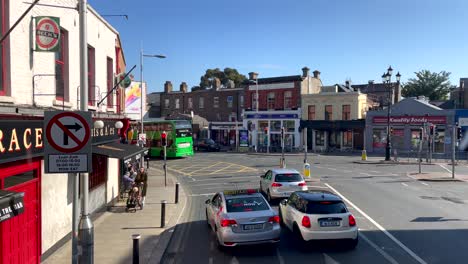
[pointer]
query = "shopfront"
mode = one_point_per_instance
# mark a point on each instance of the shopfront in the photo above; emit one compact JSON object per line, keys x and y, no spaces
{"x":265,"y":130}
{"x":20,"y":191}
{"x":225,"y":133}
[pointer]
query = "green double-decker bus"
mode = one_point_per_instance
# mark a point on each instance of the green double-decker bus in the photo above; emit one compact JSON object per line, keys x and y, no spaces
{"x":179,"y":138}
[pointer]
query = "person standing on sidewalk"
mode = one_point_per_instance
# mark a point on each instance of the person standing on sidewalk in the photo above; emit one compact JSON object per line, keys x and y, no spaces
{"x":142,"y":180}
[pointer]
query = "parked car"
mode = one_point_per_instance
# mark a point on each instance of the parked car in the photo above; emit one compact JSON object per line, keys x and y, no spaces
{"x":242,"y":217}
{"x":280,"y":183}
{"x":314,"y":215}
{"x":207,"y":144}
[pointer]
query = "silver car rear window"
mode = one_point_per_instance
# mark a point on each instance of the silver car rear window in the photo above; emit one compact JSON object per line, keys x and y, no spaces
{"x":245,"y":204}
{"x":288,"y":177}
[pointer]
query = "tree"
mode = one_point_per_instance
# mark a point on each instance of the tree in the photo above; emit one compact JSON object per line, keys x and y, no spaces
{"x":434,"y":85}
{"x":206,"y":81}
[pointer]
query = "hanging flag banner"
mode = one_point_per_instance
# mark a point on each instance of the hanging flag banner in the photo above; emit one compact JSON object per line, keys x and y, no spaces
{"x":133,"y":97}
{"x":47,"y":33}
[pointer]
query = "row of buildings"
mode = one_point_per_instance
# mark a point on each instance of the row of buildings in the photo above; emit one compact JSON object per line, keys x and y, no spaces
{"x":323,"y":117}
{"x":33,"y":81}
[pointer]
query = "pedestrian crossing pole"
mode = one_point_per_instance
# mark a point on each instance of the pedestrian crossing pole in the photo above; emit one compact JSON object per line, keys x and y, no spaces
{"x":283,"y":162}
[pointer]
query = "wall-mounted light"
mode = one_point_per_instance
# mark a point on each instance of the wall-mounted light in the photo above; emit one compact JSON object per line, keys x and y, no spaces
{"x":98,"y":124}
{"x":118,"y":124}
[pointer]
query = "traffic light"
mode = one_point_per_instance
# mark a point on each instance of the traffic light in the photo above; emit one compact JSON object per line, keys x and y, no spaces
{"x":431,"y":130}
{"x":459,"y":133}
{"x":164,"y":139}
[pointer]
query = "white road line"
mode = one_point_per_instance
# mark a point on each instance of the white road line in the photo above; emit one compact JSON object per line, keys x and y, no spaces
{"x":383,"y":253}
{"x":404,"y":184}
{"x":332,"y":169}
{"x":375,"y":171}
{"x":405,"y":248}
{"x":424,"y":183}
{"x":329,"y":260}
{"x":182,"y":211}
{"x":229,"y":178}
{"x":210,"y":260}
{"x":363,"y":173}
{"x":445,"y":168}
{"x":280,"y":258}
{"x":192,"y":179}
{"x":201,"y":194}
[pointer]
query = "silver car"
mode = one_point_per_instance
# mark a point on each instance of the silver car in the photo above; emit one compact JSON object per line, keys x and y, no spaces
{"x":280,"y":183}
{"x":242,"y":217}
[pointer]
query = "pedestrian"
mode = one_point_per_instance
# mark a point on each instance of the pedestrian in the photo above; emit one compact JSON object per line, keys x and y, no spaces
{"x":142,"y":180}
{"x":127,"y":180}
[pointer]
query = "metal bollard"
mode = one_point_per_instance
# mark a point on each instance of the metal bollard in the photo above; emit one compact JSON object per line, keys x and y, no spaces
{"x":177,"y":192}
{"x":163,"y":213}
{"x":147,"y":163}
{"x":136,"y":248}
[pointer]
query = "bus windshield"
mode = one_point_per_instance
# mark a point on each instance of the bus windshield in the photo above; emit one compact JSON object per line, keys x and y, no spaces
{"x":183,"y":132}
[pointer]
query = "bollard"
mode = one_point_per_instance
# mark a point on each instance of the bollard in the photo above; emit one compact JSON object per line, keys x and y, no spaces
{"x":364,"y":155}
{"x":163,"y":213}
{"x":147,"y":163}
{"x":177,"y":193}
{"x":136,"y":248}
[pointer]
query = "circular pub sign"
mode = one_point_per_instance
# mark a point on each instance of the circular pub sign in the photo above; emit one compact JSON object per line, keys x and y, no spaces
{"x":47,"y":33}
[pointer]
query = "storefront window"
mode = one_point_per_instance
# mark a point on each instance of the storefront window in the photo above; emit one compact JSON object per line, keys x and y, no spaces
{"x":289,"y":141}
{"x":348,"y":138}
{"x":379,"y":138}
{"x":289,"y":126}
{"x":275,"y":125}
{"x":398,"y":139}
{"x":275,"y":142}
{"x":262,"y":125}
{"x":99,"y":174}
{"x":319,"y":138}
{"x":439,"y":141}
{"x":415,"y":138}
{"x":334,"y":139}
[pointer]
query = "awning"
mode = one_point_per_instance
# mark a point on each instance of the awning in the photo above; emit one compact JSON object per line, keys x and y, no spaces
{"x":125,"y":152}
{"x":11,"y":204}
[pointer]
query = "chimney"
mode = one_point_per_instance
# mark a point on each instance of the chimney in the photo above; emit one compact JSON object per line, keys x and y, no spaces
{"x":371,"y":82}
{"x":253,"y":76}
{"x":216,"y":83}
{"x":348,"y":84}
{"x":305,"y":72}
{"x":316,"y":74}
{"x":168,"y":87}
{"x":183,"y":87}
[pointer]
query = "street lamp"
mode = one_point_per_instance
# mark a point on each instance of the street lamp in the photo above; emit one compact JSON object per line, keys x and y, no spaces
{"x":254,"y":78}
{"x":141,"y":86}
{"x":386,"y":80}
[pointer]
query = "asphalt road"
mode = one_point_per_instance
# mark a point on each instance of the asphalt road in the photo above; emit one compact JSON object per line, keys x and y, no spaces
{"x":401,"y":220}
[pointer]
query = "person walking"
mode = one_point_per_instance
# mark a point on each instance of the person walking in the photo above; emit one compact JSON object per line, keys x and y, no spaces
{"x":142,"y":180}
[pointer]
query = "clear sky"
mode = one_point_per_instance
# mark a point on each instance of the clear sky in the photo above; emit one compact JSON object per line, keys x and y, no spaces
{"x":344,"y":39}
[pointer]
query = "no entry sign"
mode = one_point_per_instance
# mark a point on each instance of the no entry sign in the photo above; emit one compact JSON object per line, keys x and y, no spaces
{"x":67,"y":141}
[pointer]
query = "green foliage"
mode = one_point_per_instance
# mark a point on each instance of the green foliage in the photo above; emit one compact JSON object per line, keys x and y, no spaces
{"x":206,"y":81}
{"x":434,"y":85}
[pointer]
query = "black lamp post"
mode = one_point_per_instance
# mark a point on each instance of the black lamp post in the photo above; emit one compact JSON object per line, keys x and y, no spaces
{"x":386,"y":79}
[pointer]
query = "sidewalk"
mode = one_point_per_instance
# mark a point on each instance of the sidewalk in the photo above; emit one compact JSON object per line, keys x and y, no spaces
{"x":438,"y":177}
{"x":113,"y":230}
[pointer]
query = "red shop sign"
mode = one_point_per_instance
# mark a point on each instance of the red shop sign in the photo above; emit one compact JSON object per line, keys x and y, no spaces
{"x":410,"y":119}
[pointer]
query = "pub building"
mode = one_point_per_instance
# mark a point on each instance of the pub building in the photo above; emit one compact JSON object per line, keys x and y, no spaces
{"x":407,"y":117}
{"x":35,"y":207}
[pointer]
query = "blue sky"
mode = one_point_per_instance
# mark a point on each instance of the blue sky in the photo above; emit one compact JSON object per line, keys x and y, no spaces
{"x":344,"y":39}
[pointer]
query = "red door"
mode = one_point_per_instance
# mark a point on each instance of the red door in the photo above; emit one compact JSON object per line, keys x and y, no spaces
{"x":20,"y":235}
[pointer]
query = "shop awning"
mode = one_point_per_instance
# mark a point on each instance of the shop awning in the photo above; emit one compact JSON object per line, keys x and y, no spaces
{"x":125,"y":152}
{"x":11,"y":204}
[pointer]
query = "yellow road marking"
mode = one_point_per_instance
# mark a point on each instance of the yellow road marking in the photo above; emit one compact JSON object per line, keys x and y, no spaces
{"x":205,"y":168}
{"x":222,"y":169}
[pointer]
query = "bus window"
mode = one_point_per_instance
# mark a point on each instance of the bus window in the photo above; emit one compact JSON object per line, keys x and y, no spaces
{"x":183,"y":132}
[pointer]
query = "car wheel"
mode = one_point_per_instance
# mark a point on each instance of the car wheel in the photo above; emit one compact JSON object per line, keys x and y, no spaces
{"x":269,"y":198}
{"x":353,"y":243}
{"x":299,"y":239}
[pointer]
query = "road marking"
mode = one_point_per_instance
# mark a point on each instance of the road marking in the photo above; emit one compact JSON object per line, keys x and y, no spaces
{"x":234,"y":260}
{"x":424,"y":183}
{"x":182,"y":211}
{"x":318,"y":187}
{"x":329,"y":260}
{"x":443,"y":167}
{"x":210,"y":260}
{"x":201,"y":194}
{"x":404,"y":184}
{"x":383,"y":253}
{"x":192,"y":178}
{"x":363,"y":173}
{"x":375,"y":171}
{"x":214,"y":172}
{"x":332,"y":169}
{"x":230,"y":178}
{"x":280,"y":258}
{"x":206,"y":167}
{"x":405,"y":248}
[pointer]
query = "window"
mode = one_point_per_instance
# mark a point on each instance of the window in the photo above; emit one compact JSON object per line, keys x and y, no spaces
{"x":246,"y":204}
{"x":215,"y":102}
{"x":190,"y":103}
{"x":241,"y":101}
{"x":229,"y":101}
{"x":326,"y":207}
{"x":328,"y":112}
{"x":61,"y":68}
{"x":289,"y":126}
{"x":110,"y":83}
{"x":271,"y":100}
{"x":201,"y":102}
{"x":311,"y":112}
{"x":379,"y":137}
{"x":346,"y":112}
{"x":348,"y":138}
{"x":166,"y":103}
{"x":18,"y":179}
{"x":288,"y":100}
{"x":98,"y":176}
{"x":177,"y":103}
{"x":319,"y":138}
{"x":91,"y":76}
{"x":288,"y":177}
{"x":254,"y":101}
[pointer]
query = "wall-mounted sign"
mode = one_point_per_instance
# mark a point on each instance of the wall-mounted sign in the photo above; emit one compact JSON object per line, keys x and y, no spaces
{"x":20,"y":139}
{"x":410,"y":119}
{"x":47,"y":33}
{"x":243,"y":138}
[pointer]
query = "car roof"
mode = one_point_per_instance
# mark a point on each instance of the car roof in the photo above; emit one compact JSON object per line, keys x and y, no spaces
{"x":281,"y":171}
{"x":319,"y":196}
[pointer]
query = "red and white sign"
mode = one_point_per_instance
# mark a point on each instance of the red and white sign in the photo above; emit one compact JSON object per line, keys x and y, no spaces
{"x":410,"y":119}
{"x":47,"y":33}
{"x":68,"y":132}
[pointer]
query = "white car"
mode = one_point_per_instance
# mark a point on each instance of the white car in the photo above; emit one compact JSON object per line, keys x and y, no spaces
{"x":280,"y":183}
{"x":318,"y":216}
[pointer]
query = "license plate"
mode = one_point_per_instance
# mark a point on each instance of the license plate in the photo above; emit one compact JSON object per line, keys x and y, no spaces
{"x":329,"y":223}
{"x":253,"y":227}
